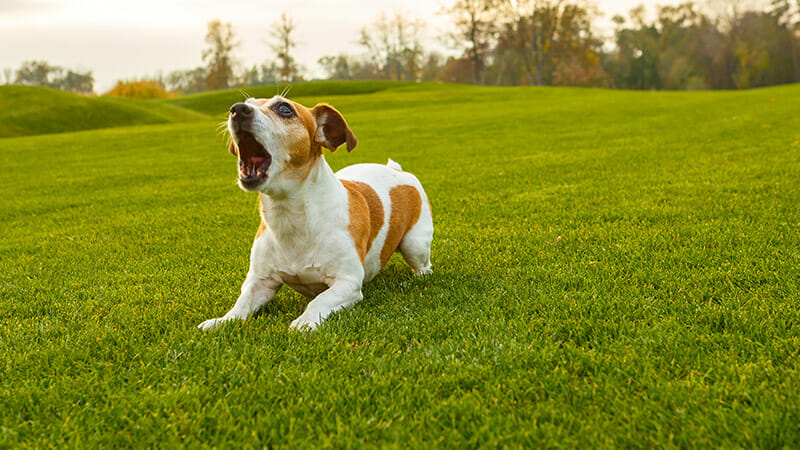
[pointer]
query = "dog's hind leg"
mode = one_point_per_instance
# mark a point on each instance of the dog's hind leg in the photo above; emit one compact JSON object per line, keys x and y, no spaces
{"x":416,"y":246}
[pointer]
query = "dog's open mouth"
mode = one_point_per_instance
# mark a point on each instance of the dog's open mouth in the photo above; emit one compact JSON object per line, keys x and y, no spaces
{"x":254,"y":160}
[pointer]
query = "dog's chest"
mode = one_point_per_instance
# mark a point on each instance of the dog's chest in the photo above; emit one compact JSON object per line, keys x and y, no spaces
{"x":309,"y":281}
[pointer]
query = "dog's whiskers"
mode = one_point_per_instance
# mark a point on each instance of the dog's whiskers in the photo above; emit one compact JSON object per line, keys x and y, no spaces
{"x":222,"y":128}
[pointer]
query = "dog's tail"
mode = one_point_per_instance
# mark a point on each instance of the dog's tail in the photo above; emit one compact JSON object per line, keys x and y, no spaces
{"x":393,"y":165}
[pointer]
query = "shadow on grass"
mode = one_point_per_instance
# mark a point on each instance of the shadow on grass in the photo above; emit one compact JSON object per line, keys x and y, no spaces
{"x":395,"y":289}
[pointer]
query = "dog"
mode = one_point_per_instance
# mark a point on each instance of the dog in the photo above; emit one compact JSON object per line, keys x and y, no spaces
{"x":324,"y":234}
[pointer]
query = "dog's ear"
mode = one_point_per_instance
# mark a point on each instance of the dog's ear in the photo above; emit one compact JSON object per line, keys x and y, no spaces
{"x":332,"y":130}
{"x":232,"y":148}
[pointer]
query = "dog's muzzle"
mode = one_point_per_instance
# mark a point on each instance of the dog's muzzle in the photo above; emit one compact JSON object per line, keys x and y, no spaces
{"x":254,"y":159}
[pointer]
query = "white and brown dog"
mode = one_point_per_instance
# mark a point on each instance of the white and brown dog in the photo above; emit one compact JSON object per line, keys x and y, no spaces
{"x":321,"y":233}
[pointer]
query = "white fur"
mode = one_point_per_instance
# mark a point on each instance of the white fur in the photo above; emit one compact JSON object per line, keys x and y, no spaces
{"x":307,"y":244}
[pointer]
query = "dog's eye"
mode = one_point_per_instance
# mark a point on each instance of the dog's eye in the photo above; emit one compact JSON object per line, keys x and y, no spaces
{"x":285,"y":111}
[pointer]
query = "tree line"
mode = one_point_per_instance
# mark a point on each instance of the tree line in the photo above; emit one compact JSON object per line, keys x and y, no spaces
{"x":516,"y":42}
{"x":41,"y":73}
{"x":552,"y":42}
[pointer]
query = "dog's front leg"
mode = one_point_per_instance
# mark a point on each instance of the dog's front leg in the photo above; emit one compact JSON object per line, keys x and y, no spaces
{"x":256,"y":292}
{"x":343,"y":293}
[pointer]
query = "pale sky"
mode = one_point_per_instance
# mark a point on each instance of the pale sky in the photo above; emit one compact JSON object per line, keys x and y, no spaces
{"x":123,"y":39}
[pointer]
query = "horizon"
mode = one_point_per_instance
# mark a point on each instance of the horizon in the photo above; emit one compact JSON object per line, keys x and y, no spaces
{"x":64,"y":34}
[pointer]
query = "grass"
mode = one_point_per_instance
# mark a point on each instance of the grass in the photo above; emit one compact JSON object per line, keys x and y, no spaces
{"x":217,"y":103}
{"x":610,"y":269}
{"x":27,"y":111}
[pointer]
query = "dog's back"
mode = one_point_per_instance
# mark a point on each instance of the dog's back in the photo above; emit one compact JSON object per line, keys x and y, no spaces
{"x":391,"y":204}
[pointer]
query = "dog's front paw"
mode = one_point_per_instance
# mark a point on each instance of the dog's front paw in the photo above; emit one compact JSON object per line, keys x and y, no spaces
{"x":304,"y":324}
{"x":210,"y":324}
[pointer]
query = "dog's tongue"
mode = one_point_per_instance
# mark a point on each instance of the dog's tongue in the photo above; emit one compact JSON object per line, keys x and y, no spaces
{"x":257,"y":160}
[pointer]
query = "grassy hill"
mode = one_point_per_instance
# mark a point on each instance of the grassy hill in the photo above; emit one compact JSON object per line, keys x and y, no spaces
{"x":217,"y":103}
{"x":611,"y":269}
{"x":28,"y":111}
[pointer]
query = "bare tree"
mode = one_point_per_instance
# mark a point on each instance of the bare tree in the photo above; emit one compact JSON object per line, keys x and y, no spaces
{"x":218,"y":56}
{"x":474,"y":21}
{"x":729,"y":12}
{"x":284,"y":45}
{"x":394,"y":46}
{"x":7,"y":75}
{"x":514,"y":14}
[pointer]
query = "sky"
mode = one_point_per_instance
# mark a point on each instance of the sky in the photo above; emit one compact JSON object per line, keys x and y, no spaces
{"x":125,"y":39}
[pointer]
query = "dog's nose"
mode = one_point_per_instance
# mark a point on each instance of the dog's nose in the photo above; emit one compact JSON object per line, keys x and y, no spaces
{"x":241,"y":111}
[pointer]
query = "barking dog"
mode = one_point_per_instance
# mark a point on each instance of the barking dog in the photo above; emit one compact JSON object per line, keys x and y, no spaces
{"x":322,"y":234}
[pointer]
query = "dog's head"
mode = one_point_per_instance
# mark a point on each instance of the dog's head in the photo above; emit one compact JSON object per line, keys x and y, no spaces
{"x":279,"y":140}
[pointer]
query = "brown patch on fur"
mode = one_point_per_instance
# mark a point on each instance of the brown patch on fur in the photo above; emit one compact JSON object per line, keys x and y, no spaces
{"x":303,"y":150}
{"x":307,"y":119}
{"x":366,"y":215}
{"x":261,"y":229}
{"x":262,"y":226}
{"x":406,"y":208}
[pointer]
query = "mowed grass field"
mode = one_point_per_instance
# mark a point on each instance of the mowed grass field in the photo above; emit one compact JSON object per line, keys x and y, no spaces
{"x":611,"y":269}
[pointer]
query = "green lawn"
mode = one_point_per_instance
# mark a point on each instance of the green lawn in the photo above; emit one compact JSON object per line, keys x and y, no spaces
{"x":611,"y":268}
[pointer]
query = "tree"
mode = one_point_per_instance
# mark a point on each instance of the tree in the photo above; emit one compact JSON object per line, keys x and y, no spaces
{"x":678,"y":61}
{"x":513,"y":40}
{"x":41,"y":73}
{"x":539,"y":38}
{"x":218,"y":55}
{"x":685,"y":49}
{"x":788,"y":16}
{"x":474,"y":21}
{"x":762,"y":49}
{"x":187,"y":81}
{"x":456,"y":70}
{"x":144,"y":88}
{"x":284,"y":45}
{"x":432,"y":67}
{"x":574,"y":55}
{"x":77,"y":82}
{"x":394,"y":46}
{"x":349,"y":67}
{"x":337,"y":67}
{"x":260,"y":75}
{"x":542,"y":25}
{"x":35,"y":73}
